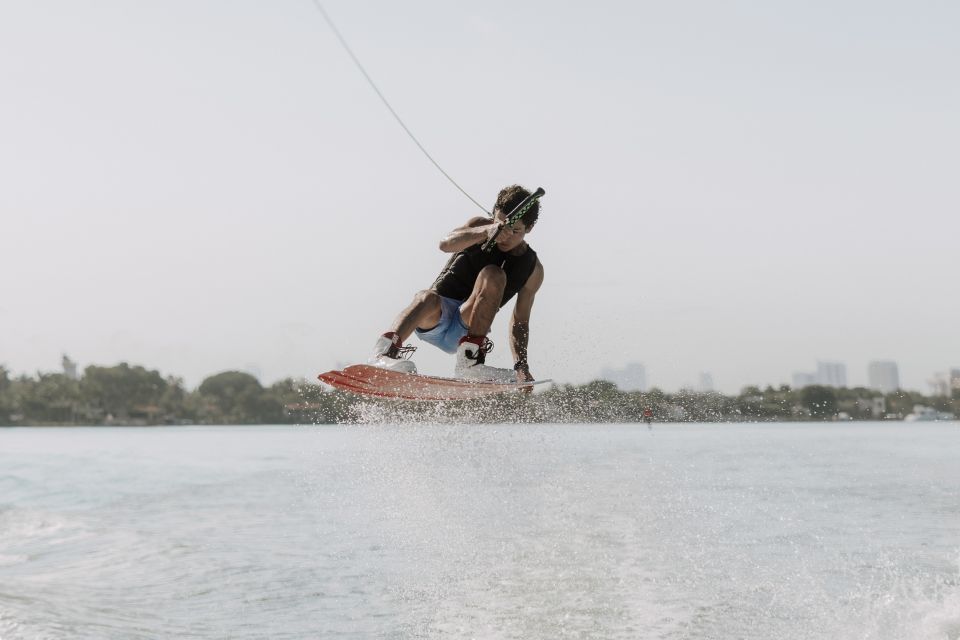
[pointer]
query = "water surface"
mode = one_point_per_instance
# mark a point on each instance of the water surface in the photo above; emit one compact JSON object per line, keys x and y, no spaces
{"x":466,"y":531}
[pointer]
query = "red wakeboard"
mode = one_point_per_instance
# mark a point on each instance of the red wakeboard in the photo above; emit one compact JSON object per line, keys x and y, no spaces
{"x":374,"y":381}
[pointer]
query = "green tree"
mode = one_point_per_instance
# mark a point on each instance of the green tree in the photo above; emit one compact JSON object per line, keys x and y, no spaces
{"x":304,"y":402}
{"x":749,"y":404}
{"x":820,"y":401}
{"x":234,"y":397}
{"x":51,"y":398}
{"x":173,"y":401}
{"x":122,"y":390}
{"x":6,"y":401}
{"x":657,"y":401}
{"x":596,"y":401}
{"x":901,"y":402}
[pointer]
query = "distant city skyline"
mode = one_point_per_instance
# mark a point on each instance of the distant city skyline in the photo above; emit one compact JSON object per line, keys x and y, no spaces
{"x":882,"y":375}
{"x":827,"y":374}
{"x":944,"y":382}
{"x":631,"y":377}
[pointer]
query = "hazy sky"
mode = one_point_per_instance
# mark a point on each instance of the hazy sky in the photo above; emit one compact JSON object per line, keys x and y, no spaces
{"x":735,"y":187}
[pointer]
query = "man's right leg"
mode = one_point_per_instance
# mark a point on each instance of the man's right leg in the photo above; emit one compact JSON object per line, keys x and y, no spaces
{"x":423,"y":313}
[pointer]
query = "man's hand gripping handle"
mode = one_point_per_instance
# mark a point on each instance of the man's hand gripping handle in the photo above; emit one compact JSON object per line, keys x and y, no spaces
{"x":515,"y":215}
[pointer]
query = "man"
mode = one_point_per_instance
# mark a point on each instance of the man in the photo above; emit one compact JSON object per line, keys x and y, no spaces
{"x":456,"y":313}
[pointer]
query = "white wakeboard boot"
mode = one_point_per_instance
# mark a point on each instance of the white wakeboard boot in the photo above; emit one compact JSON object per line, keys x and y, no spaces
{"x":389,"y":353}
{"x":470,"y":362}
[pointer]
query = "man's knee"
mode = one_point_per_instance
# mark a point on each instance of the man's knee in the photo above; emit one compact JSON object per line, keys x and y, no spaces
{"x":494,"y":275}
{"x":428,"y":298}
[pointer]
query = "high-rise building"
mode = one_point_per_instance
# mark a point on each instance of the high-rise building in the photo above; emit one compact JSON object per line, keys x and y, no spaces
{"x":884,"y":376}
{"x":69,"y":368}
{"x":939,"y":384}
{"x":632,"y":377}
{"x":801,"y":380}
{"x":831,"y":374}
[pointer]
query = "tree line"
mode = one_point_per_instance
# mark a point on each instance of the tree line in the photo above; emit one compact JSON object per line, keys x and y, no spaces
{"x":133,"y":395}
{"x":126,"y":394}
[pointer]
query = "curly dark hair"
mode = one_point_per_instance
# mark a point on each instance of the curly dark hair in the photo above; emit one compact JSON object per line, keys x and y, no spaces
{"x":510,"y":197}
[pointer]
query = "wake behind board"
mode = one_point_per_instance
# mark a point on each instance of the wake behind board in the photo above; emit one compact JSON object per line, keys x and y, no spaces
{"x":373,"y":381}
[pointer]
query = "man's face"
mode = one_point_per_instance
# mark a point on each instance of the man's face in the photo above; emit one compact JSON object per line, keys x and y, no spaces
{"x":510,"y":235}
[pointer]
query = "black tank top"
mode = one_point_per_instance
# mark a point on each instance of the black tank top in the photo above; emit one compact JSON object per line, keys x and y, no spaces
{"x":460,"y":273}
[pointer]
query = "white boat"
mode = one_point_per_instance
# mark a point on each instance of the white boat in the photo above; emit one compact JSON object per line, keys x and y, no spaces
{"x":927,"y":414}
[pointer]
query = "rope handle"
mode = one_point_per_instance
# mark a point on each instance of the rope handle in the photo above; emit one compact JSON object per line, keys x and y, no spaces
{"x":515,"y":215}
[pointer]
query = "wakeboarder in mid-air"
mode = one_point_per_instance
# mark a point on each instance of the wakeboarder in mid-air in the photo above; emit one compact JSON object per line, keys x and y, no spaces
{"x":491,"y":263}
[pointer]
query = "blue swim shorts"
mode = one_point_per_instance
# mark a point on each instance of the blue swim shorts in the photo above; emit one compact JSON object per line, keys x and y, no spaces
{"x":446,"y":335}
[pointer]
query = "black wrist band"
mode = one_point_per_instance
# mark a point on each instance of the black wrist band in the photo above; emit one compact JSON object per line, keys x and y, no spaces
{"x":521,"y":366}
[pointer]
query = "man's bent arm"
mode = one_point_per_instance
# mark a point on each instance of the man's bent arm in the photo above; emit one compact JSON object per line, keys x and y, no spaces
{"x":476,"y":230}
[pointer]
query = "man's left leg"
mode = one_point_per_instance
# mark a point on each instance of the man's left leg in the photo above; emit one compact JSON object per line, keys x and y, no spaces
{"x":478,"y":313}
